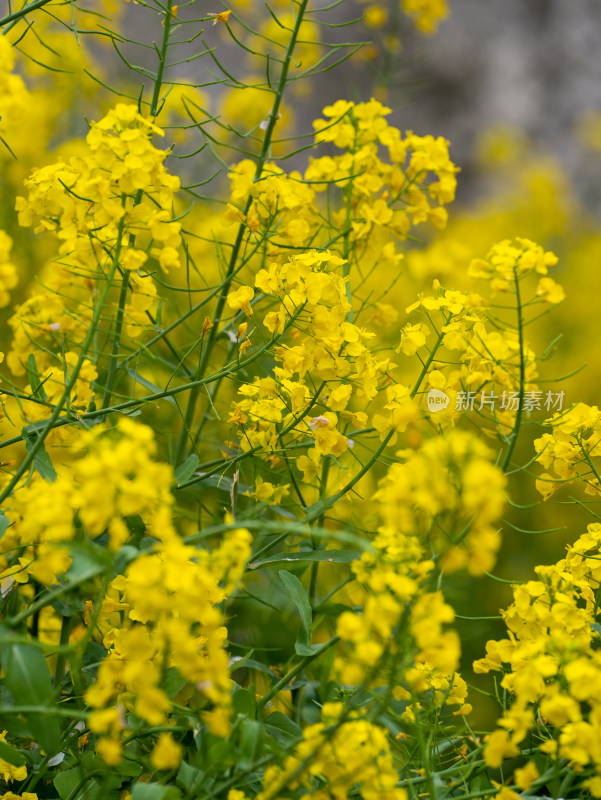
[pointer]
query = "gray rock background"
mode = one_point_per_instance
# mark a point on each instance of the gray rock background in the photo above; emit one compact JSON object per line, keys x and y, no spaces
{"x":535,"y":64}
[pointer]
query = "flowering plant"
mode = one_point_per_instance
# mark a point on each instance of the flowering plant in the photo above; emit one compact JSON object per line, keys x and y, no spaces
{"x":255,"y":439}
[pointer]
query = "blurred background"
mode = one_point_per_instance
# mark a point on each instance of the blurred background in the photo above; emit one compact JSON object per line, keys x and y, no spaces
{"x":531,"y":65}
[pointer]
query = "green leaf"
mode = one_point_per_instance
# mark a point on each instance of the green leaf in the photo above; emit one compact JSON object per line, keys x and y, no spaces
{"x":307,"y":556}
{"x":252,"y":663}
{"x":173,"y":682}
{"x":89,"y":559}
{"x":189,"y":777}
{"x":299,"y":596}
{"x":67,"y":782}
{"x":215,"y":752}
{"x":303,"y":649}
{"x":35,"y":381}
{"x":245,"y":701}
{"x":15,"y":727}
{"x":34,"y":428}
{"x":68,"y":607}
{"x":252,"y":738}
{"x":41,"y":460}
{"x":125,"y":555}
{"x":28,"y":680}
{"x":481,"y":784}
{"x":14,"y":757}
{"x":4,"y":523}
{"x":155,"y":791}
{"x":241,"y":663}
{"x":148,"y":385}
{"x":283,"y":729}
{"x":186,"y":469}
{"x":221,"y":482}
{"x":331,"y":609}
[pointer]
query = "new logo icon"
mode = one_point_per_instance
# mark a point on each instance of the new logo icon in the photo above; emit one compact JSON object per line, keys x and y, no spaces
{"x":437,"y":400}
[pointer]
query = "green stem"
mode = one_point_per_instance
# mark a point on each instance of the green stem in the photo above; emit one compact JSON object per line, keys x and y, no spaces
{"x":15,"y":638}
{"x":61,"y":658}
{"x":328,"y":733}
{"x":230,"y":463}
{"x":46,"y":711}
{"x":428,"y":361}
{"x":346,"y":269}
{"x":518,"y":415}
{"x":295,"y":670}
{"x":228,"y":370}
{"x":42,"y":768}
{"x":51,"y":422}
{"x":211,"y":396}
{"x":425,"y":760}
{"x":162,"y":59}
{"x":208,"y":348}
{"x":49,"y":597}
{"x":22,"y":12}
{"x":80,"y":646}
{"x":588,"y":460}
{"x":345,"y":489}
{"x":88,"y":775}
{"x":325,"y":470}
{"x":112,"y":371}
{"x":319,"y":508}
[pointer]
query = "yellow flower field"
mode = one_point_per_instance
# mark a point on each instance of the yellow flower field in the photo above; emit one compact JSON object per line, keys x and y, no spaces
{"x":299,"y":482}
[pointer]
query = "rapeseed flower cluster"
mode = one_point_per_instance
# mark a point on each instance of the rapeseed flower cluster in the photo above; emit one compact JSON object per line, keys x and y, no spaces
{"x":112,"y":478}
{"x":161,"y":615}
{"x":111,"y":204}
{"x":551,"y":664}
{"x":570,"y":450}
{"x":161,"y":612}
